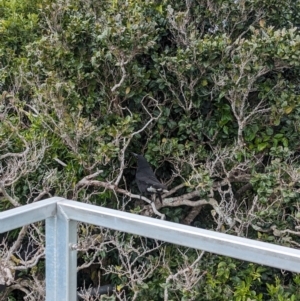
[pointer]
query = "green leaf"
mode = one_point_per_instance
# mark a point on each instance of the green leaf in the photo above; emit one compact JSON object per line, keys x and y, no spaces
{"x":262,"y":146}
{"x":159,"y":8}
{"x":269,"y":131}
{"x":204,"y":82}
{"x":225,"y":129}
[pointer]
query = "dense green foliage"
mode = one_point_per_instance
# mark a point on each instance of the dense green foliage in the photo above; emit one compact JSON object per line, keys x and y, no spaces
{"x":209,"y":91}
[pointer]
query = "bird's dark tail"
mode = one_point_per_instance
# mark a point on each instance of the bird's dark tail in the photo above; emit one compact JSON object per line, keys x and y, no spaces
{"x":159,"y":197}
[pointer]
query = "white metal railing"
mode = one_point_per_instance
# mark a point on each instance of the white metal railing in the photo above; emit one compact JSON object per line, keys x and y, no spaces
{"x":62,"y":215}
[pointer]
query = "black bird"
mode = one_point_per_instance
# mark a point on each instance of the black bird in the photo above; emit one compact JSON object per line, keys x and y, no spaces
{"x":146,"y":179}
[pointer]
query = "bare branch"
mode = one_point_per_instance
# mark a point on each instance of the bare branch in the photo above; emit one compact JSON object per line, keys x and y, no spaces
{"x":116,"y":86}
{"x":14,"y":202}
{"x":86,"y":182}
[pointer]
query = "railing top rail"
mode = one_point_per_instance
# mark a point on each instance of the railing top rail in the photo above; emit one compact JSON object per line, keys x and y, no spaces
{"x":215,"y":242}
{"x":207,"y":240}
{"x":28,"y":214}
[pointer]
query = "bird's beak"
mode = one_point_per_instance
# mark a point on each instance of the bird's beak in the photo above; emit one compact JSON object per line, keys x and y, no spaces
{"x":135,"y":154}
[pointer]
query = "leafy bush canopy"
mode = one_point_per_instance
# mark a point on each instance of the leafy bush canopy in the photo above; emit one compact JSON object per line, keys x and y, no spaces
{"x":208,"y":91}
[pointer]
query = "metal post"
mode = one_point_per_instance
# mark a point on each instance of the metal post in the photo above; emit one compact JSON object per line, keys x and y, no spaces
{"x":51,"y":249}
{"x":61,"y":258}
